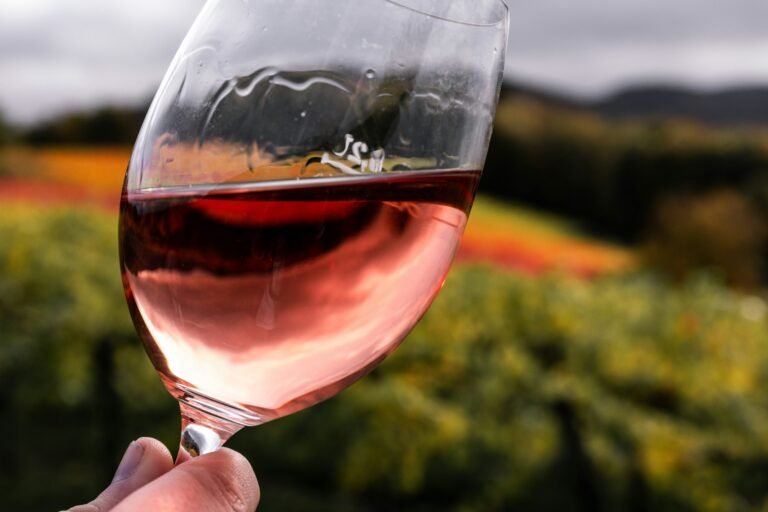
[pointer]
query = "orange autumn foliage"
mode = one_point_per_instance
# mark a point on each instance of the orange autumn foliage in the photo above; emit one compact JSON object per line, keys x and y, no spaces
{"x":505,"y":237}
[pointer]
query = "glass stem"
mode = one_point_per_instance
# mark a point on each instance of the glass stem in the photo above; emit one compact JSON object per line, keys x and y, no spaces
{"x":202,"y":433}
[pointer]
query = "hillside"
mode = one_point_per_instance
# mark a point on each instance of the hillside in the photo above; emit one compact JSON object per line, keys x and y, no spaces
{"x":739,"y":106}
{"x":504,"y":235}
{"x":743,"y":106}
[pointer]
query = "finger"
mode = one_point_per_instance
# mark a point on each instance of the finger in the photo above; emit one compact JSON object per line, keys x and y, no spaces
{"x":222,"y":481}
{"x":144,"y":461}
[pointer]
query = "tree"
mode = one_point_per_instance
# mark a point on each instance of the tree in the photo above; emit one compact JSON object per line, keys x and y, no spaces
{"x":6,"y":132}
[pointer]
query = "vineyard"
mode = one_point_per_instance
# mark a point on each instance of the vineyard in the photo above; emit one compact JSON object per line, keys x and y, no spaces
{"x":526,"y":386}
{"x":516,"y":392}
{"x":556,"y":371}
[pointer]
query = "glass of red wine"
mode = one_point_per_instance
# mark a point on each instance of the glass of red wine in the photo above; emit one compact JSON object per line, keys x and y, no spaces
{"x":297,"y":194}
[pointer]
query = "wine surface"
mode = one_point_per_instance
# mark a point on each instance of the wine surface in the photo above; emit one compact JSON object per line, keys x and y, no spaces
{"x":272,"y":296}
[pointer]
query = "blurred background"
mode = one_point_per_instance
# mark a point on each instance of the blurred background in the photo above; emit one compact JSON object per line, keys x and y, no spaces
{"x":601,"y":344}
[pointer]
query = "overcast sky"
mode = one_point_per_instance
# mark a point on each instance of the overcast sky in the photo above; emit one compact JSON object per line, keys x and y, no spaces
{"x":60,"y":55}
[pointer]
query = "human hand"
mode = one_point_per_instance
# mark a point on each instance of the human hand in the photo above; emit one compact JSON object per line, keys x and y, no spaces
{"x":147,"y":480}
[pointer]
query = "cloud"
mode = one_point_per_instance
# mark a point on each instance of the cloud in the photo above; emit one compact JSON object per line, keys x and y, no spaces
{"x":592,"y":46}
{"x":57,"y":56}
{"x":547,"y":23}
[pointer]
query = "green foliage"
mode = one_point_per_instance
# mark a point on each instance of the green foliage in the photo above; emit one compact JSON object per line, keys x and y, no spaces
{"x":622,"y":393}
{"x":6,"y":133}
{"x":610,"y":174}
{"x":58,"y":297}
{"x":106,"y":126}
{"x":720,"y":230}
{"x":622,"y":178}
{"x":661,"y":386}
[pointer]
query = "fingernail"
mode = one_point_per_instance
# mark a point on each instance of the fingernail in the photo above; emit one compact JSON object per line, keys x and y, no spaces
{"x":130,"y":462}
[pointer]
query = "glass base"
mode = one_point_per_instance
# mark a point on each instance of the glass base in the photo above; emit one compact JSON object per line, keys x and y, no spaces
{"x":207,"y":423}
{"x":211,"y":406}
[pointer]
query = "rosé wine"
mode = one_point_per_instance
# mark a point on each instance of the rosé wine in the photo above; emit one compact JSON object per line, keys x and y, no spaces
{"x":276,"y":295}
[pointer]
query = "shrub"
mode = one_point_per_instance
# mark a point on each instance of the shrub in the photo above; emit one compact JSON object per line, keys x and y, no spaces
{"x":720,"y":231}
{"x":610,"y":174}
{"x":621,"y":393}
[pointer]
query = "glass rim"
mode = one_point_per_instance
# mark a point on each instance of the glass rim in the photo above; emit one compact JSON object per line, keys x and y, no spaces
{"x":501,"y":19}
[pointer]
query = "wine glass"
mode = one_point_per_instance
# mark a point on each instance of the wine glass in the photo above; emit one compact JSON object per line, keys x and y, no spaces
{"x":297,"y":193}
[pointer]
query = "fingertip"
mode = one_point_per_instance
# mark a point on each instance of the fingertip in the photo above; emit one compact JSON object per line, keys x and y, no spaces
{"x":159,"y":454}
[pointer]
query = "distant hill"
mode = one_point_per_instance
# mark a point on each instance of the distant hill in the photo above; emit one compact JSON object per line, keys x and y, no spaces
{"x":738,"y":106}
{"x":542,"y":95}
{"x":730,"y":107}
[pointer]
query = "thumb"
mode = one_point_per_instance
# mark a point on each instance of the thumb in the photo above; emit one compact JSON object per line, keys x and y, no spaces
{"x":144,"y":460}
{"x":222,"y":481}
